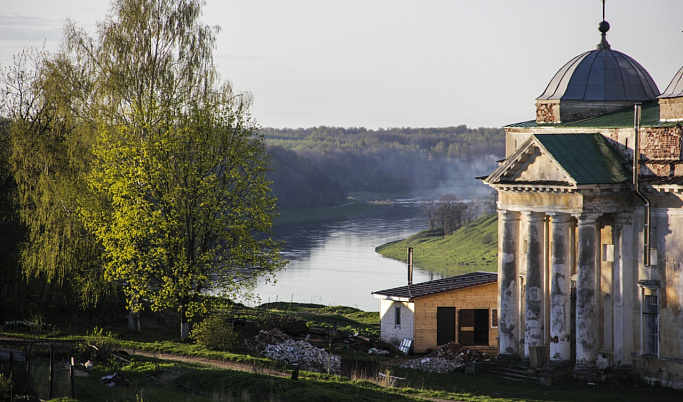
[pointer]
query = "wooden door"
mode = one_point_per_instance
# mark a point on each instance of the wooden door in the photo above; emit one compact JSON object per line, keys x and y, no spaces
{"x":445,"y":325}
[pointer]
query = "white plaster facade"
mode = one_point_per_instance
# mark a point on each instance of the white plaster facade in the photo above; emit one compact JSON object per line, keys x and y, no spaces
{"x":391,"y":331}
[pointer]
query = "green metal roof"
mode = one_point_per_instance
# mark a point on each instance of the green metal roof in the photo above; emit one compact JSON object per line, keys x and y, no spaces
{"x":587,"y":158}
{"x":621,"y":118}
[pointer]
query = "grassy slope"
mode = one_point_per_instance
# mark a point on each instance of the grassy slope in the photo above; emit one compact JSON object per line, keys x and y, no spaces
{"x":471,"y":248}
{"x":165,"y":380}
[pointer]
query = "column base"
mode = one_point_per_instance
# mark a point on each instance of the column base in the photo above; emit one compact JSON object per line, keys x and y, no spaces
{"x":506,"y":358}
{"x":588,"y":373}
{"x":560,"y":364}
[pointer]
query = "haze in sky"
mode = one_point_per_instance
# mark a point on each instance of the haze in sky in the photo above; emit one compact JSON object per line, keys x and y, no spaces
{"x":392,"y":63}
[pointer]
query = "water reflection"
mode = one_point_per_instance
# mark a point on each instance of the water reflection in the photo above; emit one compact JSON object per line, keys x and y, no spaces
{"x":336,"y":263}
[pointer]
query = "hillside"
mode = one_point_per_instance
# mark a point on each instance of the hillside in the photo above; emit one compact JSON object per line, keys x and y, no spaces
{"x":471,"y":248}
{"x":321,"y":166}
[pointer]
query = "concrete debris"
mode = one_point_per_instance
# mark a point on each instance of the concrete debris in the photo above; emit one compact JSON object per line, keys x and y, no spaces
{"x":449,"y":357}
{"x":375,"y":351}
{"x":305,"y":355}
{"x":279,"y":346}
{"x":434,"y":364}
{"x":265,"y":338}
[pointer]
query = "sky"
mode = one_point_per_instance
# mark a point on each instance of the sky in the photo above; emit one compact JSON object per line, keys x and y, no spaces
{"x":392,"y":63}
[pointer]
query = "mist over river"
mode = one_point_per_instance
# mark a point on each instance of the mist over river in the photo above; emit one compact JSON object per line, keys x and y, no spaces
{"x":335,"y":263}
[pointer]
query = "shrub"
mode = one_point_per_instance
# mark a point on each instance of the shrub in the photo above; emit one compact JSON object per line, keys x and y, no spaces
{"x":99,"y":345}
{"x":5,"y":388}
{"x":215,"y":332}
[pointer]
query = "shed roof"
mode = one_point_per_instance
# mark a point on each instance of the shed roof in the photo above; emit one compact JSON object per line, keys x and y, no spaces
{"x":438,"y":286}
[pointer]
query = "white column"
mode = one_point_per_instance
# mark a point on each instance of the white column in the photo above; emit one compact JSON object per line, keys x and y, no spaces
{"x":560,"y":290}
{"x":586,"y":292}
{"x":534,"y":298}
{"x":623,"y":288}
{"x":508,"y":292}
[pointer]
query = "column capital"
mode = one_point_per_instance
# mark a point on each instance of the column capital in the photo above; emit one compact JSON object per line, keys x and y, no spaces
{"x":560,"y":217}
{"x":623,"y":219}
{"x":508,"y":215}
{"x":587,"y":218}
{"x":533,"y":215}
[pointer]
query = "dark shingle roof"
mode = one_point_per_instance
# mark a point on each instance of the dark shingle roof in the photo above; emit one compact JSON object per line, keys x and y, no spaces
{"x":440,"y":285}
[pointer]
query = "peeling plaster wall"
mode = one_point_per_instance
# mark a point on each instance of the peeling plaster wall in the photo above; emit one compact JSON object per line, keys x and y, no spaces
{"x":540,"y":167}
{"x":671,"y":109}
{"x":669,"y":243}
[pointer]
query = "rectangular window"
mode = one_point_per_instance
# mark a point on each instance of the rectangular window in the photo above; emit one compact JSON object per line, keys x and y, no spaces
{"x":397,"y":312}
{"x":651,"y":323}
{"x":494,"y":317}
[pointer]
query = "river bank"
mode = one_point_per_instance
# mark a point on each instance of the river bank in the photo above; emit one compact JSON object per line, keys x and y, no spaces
{"x":471,"y":248}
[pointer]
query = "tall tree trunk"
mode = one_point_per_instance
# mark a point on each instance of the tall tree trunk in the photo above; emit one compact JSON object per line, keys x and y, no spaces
{"x":184,"y":324}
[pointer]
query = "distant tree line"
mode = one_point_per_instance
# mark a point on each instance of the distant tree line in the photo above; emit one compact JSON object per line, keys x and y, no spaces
{"x":320,"y":166}
{"x":449,"y":213}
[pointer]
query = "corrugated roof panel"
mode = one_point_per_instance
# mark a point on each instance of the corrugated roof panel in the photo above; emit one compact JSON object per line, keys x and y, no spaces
{"x":622,"y":118}
{"x":587,"y":158}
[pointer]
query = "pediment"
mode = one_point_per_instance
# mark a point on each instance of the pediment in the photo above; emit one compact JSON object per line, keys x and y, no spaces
{"x":530,"y":164}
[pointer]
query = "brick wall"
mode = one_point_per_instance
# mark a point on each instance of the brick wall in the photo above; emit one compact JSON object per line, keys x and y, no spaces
{"x":661,"y":143}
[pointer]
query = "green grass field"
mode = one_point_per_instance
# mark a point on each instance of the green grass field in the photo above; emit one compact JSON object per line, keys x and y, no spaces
{"x":469,"y":249}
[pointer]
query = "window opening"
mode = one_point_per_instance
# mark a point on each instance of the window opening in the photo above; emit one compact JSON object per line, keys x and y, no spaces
{"x":650,"y":317}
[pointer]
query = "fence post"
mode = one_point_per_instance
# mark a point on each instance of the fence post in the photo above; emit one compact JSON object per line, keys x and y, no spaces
{"x":11,"y":374}
{"x":71,"y":372}
{"x":52,"y":369}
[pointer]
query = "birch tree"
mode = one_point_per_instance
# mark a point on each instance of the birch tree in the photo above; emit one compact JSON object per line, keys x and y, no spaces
{"x":179,"y":200}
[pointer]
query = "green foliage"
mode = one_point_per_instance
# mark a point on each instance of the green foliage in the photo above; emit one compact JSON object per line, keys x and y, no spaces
{"x":215,"y":332}
{"x":315,"y":166}
{"x":471,"y":248}
{"x":5,"y":388}
{"x":100,"y":346}
{"x":47,"y":153}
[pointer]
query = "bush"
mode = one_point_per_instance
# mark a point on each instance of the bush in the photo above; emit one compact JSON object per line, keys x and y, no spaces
{"x":100,"y":346}
{"x":5,"y":388}
{"x":215,"y":332}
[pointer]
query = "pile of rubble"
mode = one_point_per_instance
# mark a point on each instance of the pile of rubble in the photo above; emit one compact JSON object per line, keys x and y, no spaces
{"x":434,"y":364}
{"x":305,"y":355}
{"x":279,"y":346}
{"x":265,"y":338}
{"x":448,"y":358}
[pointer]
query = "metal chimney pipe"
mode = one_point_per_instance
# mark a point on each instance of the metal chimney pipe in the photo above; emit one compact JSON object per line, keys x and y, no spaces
{"x":410,"y":266}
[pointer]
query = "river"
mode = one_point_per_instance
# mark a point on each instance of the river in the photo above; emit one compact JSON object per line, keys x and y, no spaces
{"x":335,"y":263}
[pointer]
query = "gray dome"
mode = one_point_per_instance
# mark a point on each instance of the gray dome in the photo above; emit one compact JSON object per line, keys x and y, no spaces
{"x":601,"y":75}
{"x":675,"y":88}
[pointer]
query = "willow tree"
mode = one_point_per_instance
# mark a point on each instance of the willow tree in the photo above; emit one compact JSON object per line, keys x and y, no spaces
{"x":180,"y":200}
{"x":47,"y":144}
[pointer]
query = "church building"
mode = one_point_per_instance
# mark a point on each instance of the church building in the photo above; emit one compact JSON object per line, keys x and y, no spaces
{"x":590,"y":228}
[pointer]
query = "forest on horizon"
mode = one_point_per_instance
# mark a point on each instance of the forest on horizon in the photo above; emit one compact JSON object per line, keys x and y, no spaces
{"x":322,"y":166}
